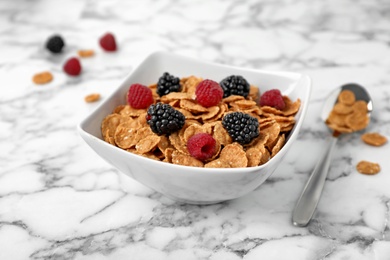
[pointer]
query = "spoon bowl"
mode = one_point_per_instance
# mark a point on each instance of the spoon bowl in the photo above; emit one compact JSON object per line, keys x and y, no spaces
{"x":311,"y":194}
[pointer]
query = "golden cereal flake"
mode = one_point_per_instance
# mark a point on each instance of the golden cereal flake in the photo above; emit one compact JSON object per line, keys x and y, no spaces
{"x":285,"y":122}
{"x":267,"y":110}
{"x":133,"y":112}
{"x":266,"y":156}
{"x":177,"y":142}
{"x":185,"y":159}
{"x":234,"y":155}
{"x":192,"y":106}
{"x":259,"y":141}
{"x":337,"y":119}
{"x":125,"y":135}
{"x":174,"y":96}
{"x":368,"y":168}
{"x":357,"y":121}
{"x":149,"y":155}
{"x":232,"y":99}
{"x":273,"y":132}
{"x":92,"y":97}
{"x":147,"y":144}
{"x":212,"y":112}
{"x":143,"y":132}
{"x":109,"y":139}
{"x":360,"y":106}
{"x":291,"y":108}
{"x":266,"y":122}
{"x":221,"y":135}
{"x":118,"y":109}
{"x":254,"y":110}
{"x":110,"y":123}
{"x":192,"y":130}
{"x":346,"y":97}
{"x":342,"y":109}
{"x":218,"y":163}
{"x":244,"y":104}
{"x":254,"y":93}
{"x":168,"y":154}
{"x":86,"y":53}
{"x":374,"y":139}
{"x":42,"y":78}
{"x":189,"y":85}
{"x":254,"y":156}
{"x":278,"y":146}
{"x":164,"y":143}
{"x":340,"y":129}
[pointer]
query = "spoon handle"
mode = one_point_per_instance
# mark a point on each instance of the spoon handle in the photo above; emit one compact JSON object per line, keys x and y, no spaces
{"x":311,"y":194}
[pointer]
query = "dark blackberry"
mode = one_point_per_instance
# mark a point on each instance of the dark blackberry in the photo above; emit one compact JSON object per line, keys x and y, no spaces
{"x":55,"y":44}
{"x":235,"y":85}
{"x":168,"y":83}
{"x":241,"y":127}
{"x":164,"y":119}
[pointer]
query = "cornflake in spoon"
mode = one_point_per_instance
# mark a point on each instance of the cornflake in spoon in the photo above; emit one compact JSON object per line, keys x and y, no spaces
{"x":348,"y":115}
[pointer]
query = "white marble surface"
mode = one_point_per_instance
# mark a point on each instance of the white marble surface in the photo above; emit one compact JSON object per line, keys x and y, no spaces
{"x":59,"y":200}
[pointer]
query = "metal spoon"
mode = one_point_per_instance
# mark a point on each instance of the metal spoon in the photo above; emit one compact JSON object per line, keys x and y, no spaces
{"x":307,"y":203}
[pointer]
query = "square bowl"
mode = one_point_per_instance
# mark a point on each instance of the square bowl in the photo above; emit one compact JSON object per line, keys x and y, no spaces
{"x":185,"y":183}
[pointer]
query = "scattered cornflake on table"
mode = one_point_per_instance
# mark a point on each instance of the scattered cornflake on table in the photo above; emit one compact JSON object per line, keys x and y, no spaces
{"x":86,"y":53}
{"x":374,"y":139}
{"x":368,"y":168}
{"x":42,"y":78}
{"x":92,"y":97}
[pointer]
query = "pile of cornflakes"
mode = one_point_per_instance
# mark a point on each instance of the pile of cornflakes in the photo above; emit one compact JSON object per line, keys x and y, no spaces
{"x":348,"y":115}
{"x":351,"y":115}
{"x":127,"y":129}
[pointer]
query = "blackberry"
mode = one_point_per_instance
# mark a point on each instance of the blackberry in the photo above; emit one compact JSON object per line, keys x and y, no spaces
{"x":168,"y":83}
{"x":164,"y":119}
{"x":241,"y":127}
{"x":55,"y":44}
{"x":235,"y":85}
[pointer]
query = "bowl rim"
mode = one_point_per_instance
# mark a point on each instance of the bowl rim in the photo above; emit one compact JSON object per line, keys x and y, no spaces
{"x":202,"y":170}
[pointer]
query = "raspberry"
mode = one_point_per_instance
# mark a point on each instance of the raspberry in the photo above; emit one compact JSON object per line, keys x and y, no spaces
{"x":208,"y":93}
{"x":272,"y":98}
{"x":55,"y":44}
{"x":168,"y":83}
{"x":235,"y":85}
{"x":107,"y":42}
{"x":139,"y":96}
{"x":201,"y":146}
{"x":72,"y":67}
{"x":241,"y":127}
{"x":164,"y":119}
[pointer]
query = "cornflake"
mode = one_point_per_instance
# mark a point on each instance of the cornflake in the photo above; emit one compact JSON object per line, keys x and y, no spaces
{"x":368,"y":168}
{"x":92,"y":97}
{"x":348,"y":114}
{"x":374,"y":139}
{"x":127,"y":128}
{"x":42,"y":78}
{"x":86,"y":53}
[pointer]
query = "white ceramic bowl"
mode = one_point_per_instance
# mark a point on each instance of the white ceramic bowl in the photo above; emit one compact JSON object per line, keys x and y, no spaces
{"x":192,"y":184}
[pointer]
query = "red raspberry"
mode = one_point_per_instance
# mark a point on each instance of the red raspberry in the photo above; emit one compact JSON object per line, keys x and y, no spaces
{"x":72,"y":67}
{"x":273,"y":98}
{"x":139,"y":96}
{"x":201,"y":146}
{"x":107,"y":42}
{"x":208,"y":93}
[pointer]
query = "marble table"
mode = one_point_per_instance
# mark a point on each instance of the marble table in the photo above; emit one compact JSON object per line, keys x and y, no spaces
{"x":59,"y":200}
